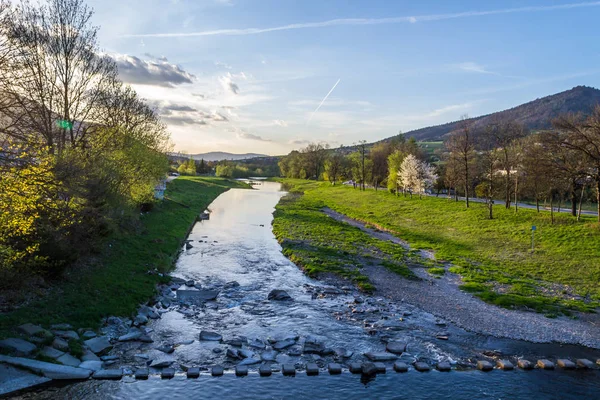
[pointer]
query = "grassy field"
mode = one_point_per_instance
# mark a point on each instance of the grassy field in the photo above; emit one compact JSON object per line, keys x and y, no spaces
{"x":119,"y":282}
{"x":492,"y":256}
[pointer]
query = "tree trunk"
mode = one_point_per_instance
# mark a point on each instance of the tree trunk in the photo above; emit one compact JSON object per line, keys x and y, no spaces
{"x":574,"y":199}
{"x":516,"y":192}
{"x":537,"y":203}
{"x":598,"y":195}
{"x":580,"y":202}
{"x":552,"y":209}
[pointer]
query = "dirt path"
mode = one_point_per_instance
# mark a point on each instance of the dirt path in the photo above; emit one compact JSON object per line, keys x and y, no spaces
{"x":443,"y":298}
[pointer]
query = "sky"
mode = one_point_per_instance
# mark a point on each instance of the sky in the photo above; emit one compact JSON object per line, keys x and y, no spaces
{"x":269,"y":76}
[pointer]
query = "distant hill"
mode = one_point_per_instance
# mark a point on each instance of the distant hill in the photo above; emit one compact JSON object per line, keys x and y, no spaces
{"x":535,"y":115}
{"x":218,"y":156}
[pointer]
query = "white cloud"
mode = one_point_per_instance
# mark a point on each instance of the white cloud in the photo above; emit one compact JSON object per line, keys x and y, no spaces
{"x":280,"y":122}
{"x":229,"y":85}
{"x":472,"y":67}
{"x":242,"y":134}
{"x":157,"y":71}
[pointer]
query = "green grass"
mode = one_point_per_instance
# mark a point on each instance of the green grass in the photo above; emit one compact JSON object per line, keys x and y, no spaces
{"x":319,"y":244}
{"x":118,"y":281}
{"x":492,"y":256}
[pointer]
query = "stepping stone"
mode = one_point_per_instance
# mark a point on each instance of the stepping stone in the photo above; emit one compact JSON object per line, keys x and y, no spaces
{"x":584,"y":363}
{"x":108,"y":374}
{"x":443,"y":366}
{"x":565,"y":364}
{"x":217,"y":370}
{"x":545,"y":364}
{"x":241,"y":370}
{"x":142,"y":373}
{"x":91,"y":365}
{"x":505,"y":365}
{"x":400,"y":367}
{"x":167,"y":373}
{"x":32,"y":330}
{"x":60,"y":344}
{"x":51,"y":352}
{"x":381,"y":356}
{"x":356,"y":368}
{"x":18,"y":346}
{"x":98,"y":345}
{"x":380,"y":367}
{"x":312,"y":369}
{"x":49,"y":370}
{"x":193,"y":372}
{"x":67,"y":335}
{"x":525,"y":364}
{"x":89,"y":356}
{"x":484,"y":365}
{"x":421,"y":366}
{"x":334,"y":368}
{"x":396,"y":347}
{"x":369,"y":369}
{"x":210,"y":336}
{"x":265,"y":370}
{"x":67,"y":359}
{"x":288,"y":370}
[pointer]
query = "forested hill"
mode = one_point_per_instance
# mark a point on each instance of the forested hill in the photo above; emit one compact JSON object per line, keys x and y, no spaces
{"x":535,"y":115}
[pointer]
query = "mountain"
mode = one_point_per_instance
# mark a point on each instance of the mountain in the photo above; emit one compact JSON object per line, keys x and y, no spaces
{"x":535,"y":115}
{"x":218,"y":156}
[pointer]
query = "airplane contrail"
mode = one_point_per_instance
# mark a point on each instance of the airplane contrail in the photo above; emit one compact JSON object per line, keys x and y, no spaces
{"x":322,"y":101}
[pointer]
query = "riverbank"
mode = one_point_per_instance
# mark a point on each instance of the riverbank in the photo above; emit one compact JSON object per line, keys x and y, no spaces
{"x":492,"y":257}
{"x":127,"y":272}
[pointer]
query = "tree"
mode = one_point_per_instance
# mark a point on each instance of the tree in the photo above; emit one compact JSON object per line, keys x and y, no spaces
{"x":417,"y":176}
{"x":461,"y":145}
{"x":452,"y":176}
{"x":334,"y":167}
{"x":582,"y":135}
{"x":394,"y":181}
{"x":362,"y":162}
{"x":379,"y":156}
{"x":315,"y":155}
{"x":360,"y":168}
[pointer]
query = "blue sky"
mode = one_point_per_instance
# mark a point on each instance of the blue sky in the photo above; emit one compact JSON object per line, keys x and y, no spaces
{"x":225,"y":80}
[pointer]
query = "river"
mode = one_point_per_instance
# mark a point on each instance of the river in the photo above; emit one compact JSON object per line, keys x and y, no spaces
{"x":237,"y":245}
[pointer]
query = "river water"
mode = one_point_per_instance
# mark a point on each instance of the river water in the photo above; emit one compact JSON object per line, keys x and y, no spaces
{"x":237,"y":245}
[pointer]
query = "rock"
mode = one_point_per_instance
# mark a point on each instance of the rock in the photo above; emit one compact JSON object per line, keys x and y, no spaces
{"x":49,"y":370}
{"x":545,"y":364}
{"x":265,"y":370}
{"x":524,"y":364}
{"x":13,"y":380}
{"x":505,"y":365}
{"x":483,"y":365}
{"x":279,"y":295}
{"x":68,"y":335}
{"x":584,"y":363}
{"x":217,"y":370}
{"x":167,"y":348}
{"x":381,"y":356}
{"x":443,"y":366}
{"x":217,"y":350}
{"x":237,"y":342}
{"x":256,"y":343}
{"x":148,"y":312}
{"x":67,"y":359}
{"x":359,"y":300}
{"x":132,"y":335}
{"x":146,"y":339}
{"x":142,"y":373}
{"x":421,"y":366}
{"x":343,"y":353}
{"x":89,"y":334}
{"x":196,"y":295}
{"x":98,"y":345}
{"x":108,"y":374}
{"x":190,"y":283}
{"x":230,"y":285}
{"x":288,"y":369}
{"x":565,"y":364}
{"x":241,"y":370}
{"x":185,"y":342}
{"x":369,"y":369}
{"x":109,"y":358}
{"x":18,"y":346}
{"x":250,"y":361}
{"x":233,"y":353}
{"x":380,"y":367}
{"x":158,"y":364}
{"x":355,"y":368}
{"x":51,"y":352}
{"x":91,"y":365}
{"x":60,"y":344}
{"x":33,"y":330}
{"x":61,"y":327}
{"x":284,"y":344}
{"x":269,"y":356}
{"x":441,"y":337}
{"x":313,"y":348}
{"x":334,"y":368}
{"x":312,"y":369}
{"x":210,"y":336}
{"x":193,"y":372}
{"x":400,"y":367}
{"x":245,"y":353}
{"x":295,"y":351}
{"x":140,"y":320}
{"x":188,"y":246}
{"x":396,"y":347}
{"x":167,"y":373}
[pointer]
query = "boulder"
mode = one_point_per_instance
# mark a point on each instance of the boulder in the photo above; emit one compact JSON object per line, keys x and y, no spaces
{"x":355,"y":368}
{"x":245,"y":353}
{"x":161,"y":363}
{"x":33,"y":330}
{"x":61,"y":327}
{"x":545,"y":364}
{"x":505,"y":365}
{"x":313,"y":348}
{"x":396,"y":347}
{"x":584,"y":363}
{"x":167,"y":348}
{"x":233,"y":353}
{"x":369,"y":369}
{"x":250,"y":361}
{"x":98,"y":345}
{"x":91,"y":365}
{"x":269,"y":356}
{"x":18,"y":346}
{"x":51,"y":352}
{"x":89,"y":335}
{"x":566,"y":364}
{"x":108,"y":374}
{"x":400,"y":367}
{"x":210,"y":336}
{"x":295,"y":351}
{"x":49,"y":370}
{"x":89,"y":356}
{"x":15,"y":379}
{"x":60,"y":344}
{"x":67,"y":359}
{"x":334,"y":368}
{"x":381,"y":356}
{"x":256,"y":343}
{"x":67,"y":335}
{"x":525,"y":364}
{"x":279,"y":295}
{"x":284,"y":344}
{"x":421,"y":366}
{"x":443,"y":366}
{"x":187,"y":294}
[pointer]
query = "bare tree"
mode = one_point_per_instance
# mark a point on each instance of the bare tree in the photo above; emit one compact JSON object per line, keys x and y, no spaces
{"x":379,"y":156}
{"x":362,"y":150}
{"x":461,"y":145}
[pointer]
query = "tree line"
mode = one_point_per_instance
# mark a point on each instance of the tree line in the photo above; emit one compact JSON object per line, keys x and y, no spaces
{"x":80,"y":151}
{"x":498,"y":162}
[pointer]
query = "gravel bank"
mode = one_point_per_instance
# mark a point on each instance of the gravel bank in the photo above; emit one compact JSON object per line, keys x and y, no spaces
{"x":443,"y":298}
